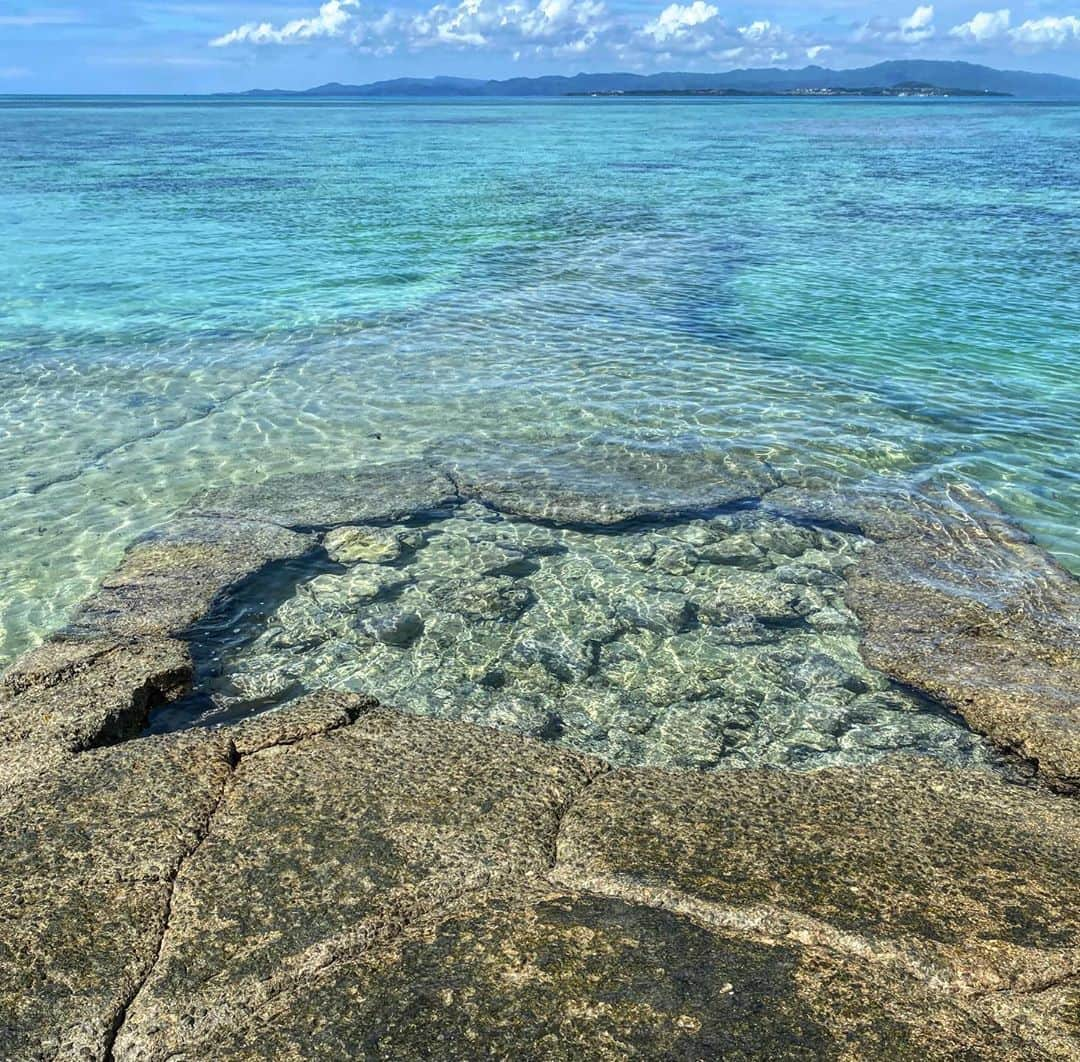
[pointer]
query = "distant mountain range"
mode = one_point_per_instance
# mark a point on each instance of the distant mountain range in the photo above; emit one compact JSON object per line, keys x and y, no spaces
{"x":963,"y":77}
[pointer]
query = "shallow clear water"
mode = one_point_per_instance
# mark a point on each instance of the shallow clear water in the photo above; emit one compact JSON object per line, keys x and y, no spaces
{"x":703,"y":643}
{"x":199,"y":292}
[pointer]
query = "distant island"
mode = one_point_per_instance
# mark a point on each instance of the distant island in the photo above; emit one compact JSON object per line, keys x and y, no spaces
{"x":913,"y":89}
{"x":899,"y":77}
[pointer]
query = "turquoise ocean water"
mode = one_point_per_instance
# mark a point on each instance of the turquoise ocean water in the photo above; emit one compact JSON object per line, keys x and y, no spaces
{"x":195,"y":292}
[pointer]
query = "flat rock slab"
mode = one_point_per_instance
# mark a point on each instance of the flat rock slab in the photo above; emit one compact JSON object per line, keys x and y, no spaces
{"x":69,"y":695}
{"x":602,"y":485}
{"x":335,"y":880}
{"x":88,"y":851}
{"x":986,"y":624}
{"x":968,"y":874}
{"x":371,"y":494}
{"x":170,"y":579}
{"x":329,"y":846}
{"x":72,"y":954}
{"x":575,"y":976}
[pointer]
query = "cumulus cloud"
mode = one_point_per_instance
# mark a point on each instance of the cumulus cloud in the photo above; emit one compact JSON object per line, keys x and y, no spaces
{"x":985,"y":26}
{"x":550,"y":27}
{"x":331,"y":20}
{"x":1049,"y":32}
{"x":677,"y":21}
{"x":697,"y":30}
{"x":919,"y":24}
{"x":914,"y":29}
{"x":1034,"y":34}
{"x":694,"y":30}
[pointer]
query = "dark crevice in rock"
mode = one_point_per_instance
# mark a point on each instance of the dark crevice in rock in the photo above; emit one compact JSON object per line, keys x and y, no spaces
{"x":155,"y":693}
{"x":352,"y":710}
{"x":600,"y":769}
{"x":455,"y":481}
{"x":1031,"y":987}
{"x":416,"y":518}
{"x":117,"y":1023}
{"x":1015,"y":768}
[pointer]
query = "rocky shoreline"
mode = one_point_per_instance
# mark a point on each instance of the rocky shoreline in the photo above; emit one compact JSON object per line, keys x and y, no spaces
{"x":335,"y":879}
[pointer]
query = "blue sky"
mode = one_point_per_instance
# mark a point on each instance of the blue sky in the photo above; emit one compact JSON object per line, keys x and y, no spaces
{"x":208,"y":46}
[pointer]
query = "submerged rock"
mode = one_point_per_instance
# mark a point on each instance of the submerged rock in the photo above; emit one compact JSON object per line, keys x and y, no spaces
{"x":750,"y":594}
{"x":391,"y":627}
{"x":500,"y":598}
{"x":371,"y":545}
{"x":663,"y":612}
{"x":604,"y":484}
{"x":966,"y":609}
{"x":374,"y":493}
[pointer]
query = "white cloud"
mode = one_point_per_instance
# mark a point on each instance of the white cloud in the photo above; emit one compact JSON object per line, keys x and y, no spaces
{"x":677,"y":20}
{"x":13,"y":73}
{"x":985,"y":26}
{"x":1049,"y":32}
{"x":1034,"y":34}
{"x":762,"y":30}
{"x":693,"y":31}
{"x":697,"y":30}
{"x":763,"y":42}
{"x":914,"y":29}
{"x":547,"y":28}
{"x":920,"y":23}
{"x":329,"y":22}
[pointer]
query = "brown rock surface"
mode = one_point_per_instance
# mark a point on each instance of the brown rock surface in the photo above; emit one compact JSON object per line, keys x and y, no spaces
{"x":89,"y":848}
{"x":331,"y":845}
{"x":975,"y":881}
{"x":168,"y":581}
{"x":70,"y":695}
{"x":578,"y":976}
{"x":365,"y":884}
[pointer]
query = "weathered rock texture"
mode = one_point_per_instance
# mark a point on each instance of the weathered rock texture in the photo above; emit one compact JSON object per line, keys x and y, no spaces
{"x":336,"y":880}
{"x":89,"y":850}
{"x":958,"y":603}
{"x":67,"y":696}
{"x":168,"y":581}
